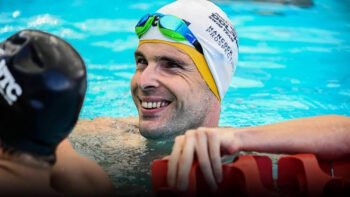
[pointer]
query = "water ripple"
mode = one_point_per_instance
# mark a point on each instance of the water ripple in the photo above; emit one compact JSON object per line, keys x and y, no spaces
{"x":290,"y":34}
{"x":106,"y":26}
{"x":45,"y":19}
{"x":119,"y":44}
{"x":239,"y":82}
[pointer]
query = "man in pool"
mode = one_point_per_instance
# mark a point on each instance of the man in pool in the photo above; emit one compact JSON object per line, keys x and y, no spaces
{"x":186,"y":56}
{"x":42,"y":88}
{"x":185,"y":60}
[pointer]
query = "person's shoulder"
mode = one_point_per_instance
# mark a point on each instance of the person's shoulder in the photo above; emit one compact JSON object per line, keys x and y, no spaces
{"x":75,"y":174}
{"x":131,"y":120}
{"x":7,"y":175}
{"x":102,"y":125}
{"x":14,"y":179}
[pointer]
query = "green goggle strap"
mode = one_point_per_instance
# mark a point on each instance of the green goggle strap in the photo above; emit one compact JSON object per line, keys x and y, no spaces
{"x":172,"y":34}
{"x":143,"y":29}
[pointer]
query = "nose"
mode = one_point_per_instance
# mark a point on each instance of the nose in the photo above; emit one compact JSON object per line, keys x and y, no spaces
{"x":148,"y":79}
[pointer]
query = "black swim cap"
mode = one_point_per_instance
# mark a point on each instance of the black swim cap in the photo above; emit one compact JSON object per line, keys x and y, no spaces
{"x":42,"y":88}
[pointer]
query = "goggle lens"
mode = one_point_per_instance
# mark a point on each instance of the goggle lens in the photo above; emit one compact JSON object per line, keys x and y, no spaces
{"x":170,"y":26}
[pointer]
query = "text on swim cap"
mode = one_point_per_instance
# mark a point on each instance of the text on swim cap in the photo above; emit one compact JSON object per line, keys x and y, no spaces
{"x":218,"y":34}
{"x":221,"y":42}
{"x":9,"y":89}
{"x":226,"y":26}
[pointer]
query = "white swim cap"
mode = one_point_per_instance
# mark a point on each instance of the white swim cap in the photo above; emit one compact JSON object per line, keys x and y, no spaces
{"x":215,"y":33}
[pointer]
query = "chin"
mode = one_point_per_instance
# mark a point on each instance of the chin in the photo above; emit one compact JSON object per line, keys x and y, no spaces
{"x":152,"y":134}
{"x":156,"y":133}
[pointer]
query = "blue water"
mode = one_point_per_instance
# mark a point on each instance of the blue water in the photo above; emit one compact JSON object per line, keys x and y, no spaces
{"x":293,"y":62}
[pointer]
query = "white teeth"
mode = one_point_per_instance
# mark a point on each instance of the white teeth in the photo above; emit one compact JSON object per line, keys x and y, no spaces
{"x":153,"y":105}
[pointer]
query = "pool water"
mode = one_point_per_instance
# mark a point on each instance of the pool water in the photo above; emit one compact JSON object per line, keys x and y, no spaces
{"x":293,"y":62}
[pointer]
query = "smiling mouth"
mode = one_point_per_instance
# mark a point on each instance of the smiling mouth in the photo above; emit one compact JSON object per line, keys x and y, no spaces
{"x":154,"y":104}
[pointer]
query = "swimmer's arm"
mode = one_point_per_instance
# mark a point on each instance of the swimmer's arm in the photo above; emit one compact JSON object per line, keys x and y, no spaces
{"x":74,"y":174}
{"x":328,"y":137}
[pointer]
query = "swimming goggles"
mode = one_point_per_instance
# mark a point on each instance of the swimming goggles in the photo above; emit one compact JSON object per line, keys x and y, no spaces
{"x":170,"y":26}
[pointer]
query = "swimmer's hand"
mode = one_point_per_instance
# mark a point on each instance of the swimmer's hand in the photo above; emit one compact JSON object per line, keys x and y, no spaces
{"x":208,"y":144}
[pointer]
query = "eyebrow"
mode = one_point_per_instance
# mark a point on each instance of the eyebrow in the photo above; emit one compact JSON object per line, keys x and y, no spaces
{"x":162,"y":58}
{"x":170,"y":59}
{"x":138,"y":53}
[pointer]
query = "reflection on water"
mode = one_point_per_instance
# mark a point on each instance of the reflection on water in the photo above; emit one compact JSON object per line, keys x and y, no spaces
{"x":121,"y":151}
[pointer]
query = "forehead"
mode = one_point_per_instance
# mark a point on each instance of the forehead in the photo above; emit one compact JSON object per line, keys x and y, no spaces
{"x":161,"y":49}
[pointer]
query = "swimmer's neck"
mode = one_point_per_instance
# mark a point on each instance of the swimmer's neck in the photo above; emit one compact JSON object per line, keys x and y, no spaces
{"x":213,"y":116}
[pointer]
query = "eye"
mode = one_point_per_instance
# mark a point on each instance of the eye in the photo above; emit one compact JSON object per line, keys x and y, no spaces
{"x":141,"y":62}
{"x":171,"y":65}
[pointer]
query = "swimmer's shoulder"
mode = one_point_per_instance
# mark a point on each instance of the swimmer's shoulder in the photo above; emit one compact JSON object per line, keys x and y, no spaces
{"x":102,"y":125}
{"x":75,"y":174}
{"x":14,"y":179}
{"x":131,"y":120}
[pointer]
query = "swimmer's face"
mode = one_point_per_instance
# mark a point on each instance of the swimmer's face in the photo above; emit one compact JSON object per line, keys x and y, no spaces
{"x":169,"y":92}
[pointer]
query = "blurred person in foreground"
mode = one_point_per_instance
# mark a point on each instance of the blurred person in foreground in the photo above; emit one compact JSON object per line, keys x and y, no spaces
{"x":42,"y":88}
